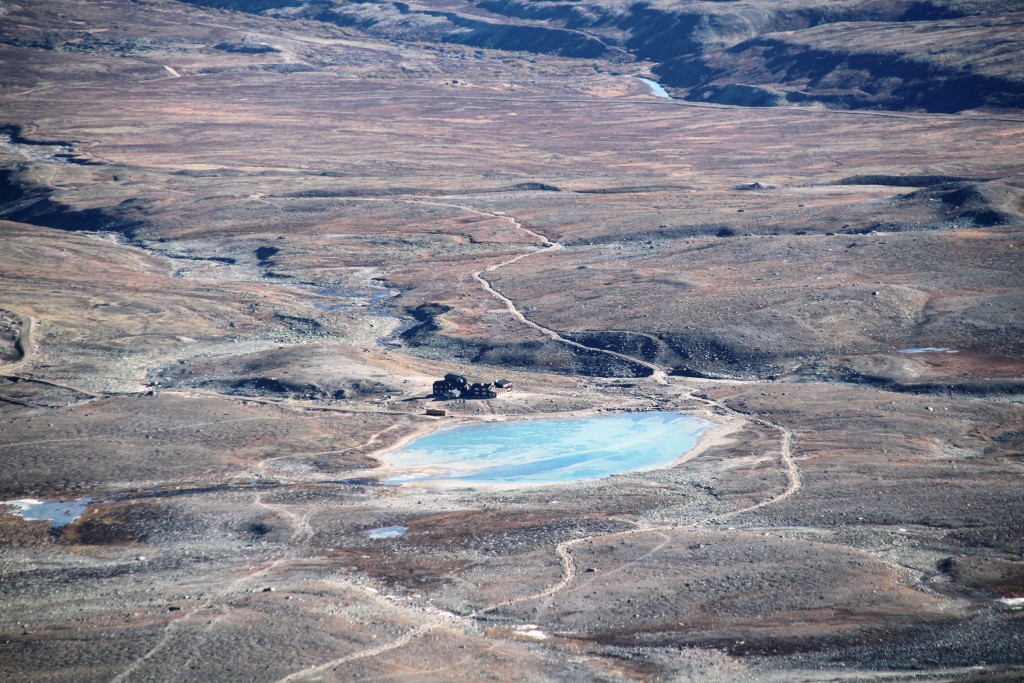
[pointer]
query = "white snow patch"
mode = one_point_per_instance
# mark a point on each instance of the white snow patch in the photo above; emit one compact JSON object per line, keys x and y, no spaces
{"x":531,"y":631}
{"x":58,"y":512}
{"x":656,"y":88}
{"x":387,"y":532}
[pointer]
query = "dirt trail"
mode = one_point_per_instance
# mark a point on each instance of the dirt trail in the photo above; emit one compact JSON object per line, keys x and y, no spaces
{"x":547,"y":245}
{"x":59,"y":385}
{"x":25,"y":343}
{"x":404,"y":640}
{"x":657,"y":373}
{"x":161,"y":431}
{"x":302,"y":530}
{"x":563,"y":549}
{"x":461,"y":207}
{"x":267,"y":464}
{"x":175,"y":624}
{"x":660,"y":376}
{"x":435,"y":618}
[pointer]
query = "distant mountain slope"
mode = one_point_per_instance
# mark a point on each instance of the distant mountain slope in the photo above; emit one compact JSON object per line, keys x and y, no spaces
{"x":939,"y":66}
{"x":927,"y":55}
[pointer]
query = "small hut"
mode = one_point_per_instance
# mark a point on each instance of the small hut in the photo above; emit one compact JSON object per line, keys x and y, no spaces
{"x":481,"y":390}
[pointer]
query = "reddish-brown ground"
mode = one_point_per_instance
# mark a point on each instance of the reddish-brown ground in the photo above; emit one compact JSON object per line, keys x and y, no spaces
{"x":228,"y":280}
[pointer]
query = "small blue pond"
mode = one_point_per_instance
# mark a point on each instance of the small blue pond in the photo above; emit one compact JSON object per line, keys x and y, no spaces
{"x":547,"y":451}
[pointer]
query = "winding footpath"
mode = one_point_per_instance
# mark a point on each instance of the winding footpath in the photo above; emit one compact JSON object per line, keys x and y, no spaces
{"x":659,"y":376}
{"x":546,"y":245}
{"x":402,"y":641}
{"x":25,"y":343}
{"x":657,"y":373}
{"x":169,"y":634}
{"x":563,"y":549}
{"x":26,"y":346}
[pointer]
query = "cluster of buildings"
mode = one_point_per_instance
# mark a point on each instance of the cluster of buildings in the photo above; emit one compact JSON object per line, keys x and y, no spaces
{"x":456,"y":386}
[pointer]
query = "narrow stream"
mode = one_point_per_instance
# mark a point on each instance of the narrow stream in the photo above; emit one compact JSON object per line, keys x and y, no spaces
{"x":372,"y":302}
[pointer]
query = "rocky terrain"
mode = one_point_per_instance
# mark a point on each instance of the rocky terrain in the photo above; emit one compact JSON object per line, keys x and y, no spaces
{"x":239,"y":246}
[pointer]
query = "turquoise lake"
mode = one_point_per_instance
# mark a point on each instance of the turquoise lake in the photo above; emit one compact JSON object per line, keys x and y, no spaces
{"x":547,"y":451}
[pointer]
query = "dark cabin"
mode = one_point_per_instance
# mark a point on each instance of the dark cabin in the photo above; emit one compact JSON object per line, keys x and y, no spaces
{"x":456,"y":386}
{"x":452,"y":386}
{"x":481,"y":390}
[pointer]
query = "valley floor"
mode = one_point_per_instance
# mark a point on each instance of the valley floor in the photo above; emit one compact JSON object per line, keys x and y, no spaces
{"x":237,"y":250}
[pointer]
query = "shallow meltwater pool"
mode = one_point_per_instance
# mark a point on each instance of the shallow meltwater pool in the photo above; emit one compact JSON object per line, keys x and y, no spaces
{"x":58,"y":512}
{"x":547,"y":451}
